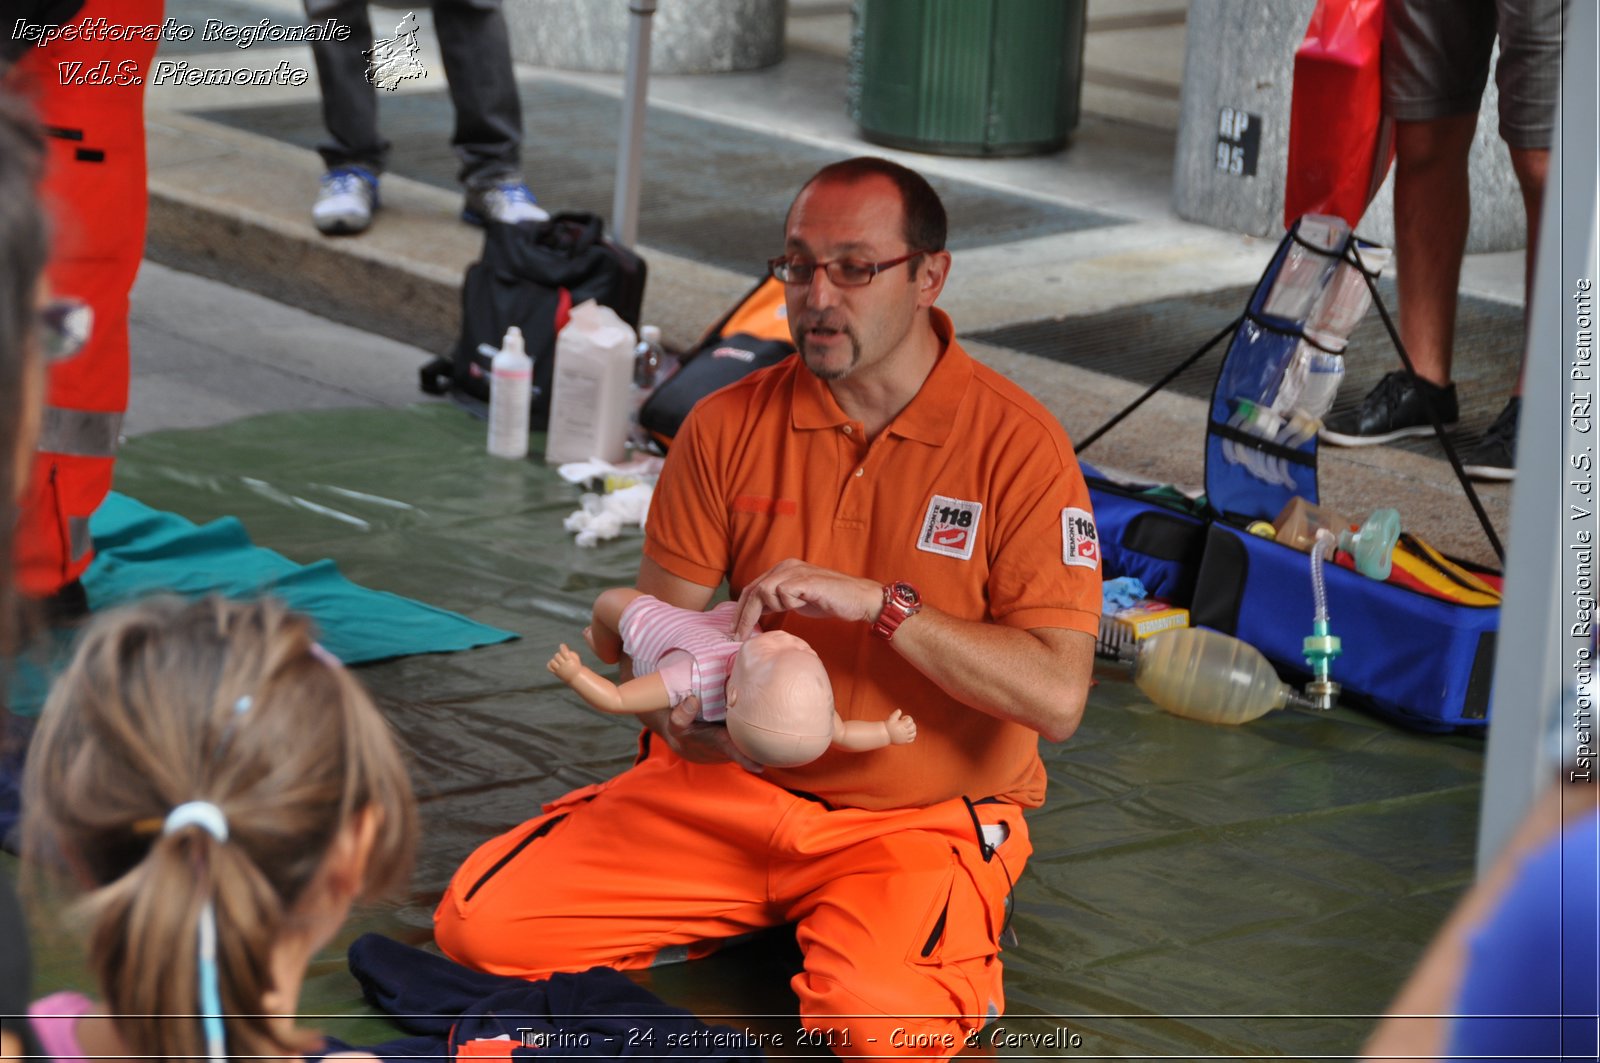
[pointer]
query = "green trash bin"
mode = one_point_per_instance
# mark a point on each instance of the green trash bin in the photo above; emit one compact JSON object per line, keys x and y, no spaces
{"x":967,"y":77}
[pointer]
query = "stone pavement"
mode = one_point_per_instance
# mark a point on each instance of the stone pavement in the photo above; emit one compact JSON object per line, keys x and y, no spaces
{"x":233,"y":205}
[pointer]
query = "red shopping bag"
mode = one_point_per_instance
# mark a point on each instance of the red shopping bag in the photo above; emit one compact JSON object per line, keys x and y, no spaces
{"x":1340,"y":144}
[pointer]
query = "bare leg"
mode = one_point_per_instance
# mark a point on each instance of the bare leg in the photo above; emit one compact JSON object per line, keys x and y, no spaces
{"x":1432,"y":209}
{"x":1532,"y":166}
{"x":603,"y":635}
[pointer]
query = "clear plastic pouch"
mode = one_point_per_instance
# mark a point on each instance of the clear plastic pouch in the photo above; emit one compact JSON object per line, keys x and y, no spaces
{"x":1345,"y":300}
{"x":1256,"y":364}
{"x":1321,"y":373}
{"x":1312,"y":257}
{"x":1310,"y":381}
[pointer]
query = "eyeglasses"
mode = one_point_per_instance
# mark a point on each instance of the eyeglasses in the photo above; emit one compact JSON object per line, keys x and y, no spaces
{"x":64,"y":327}
{"x":844,"y":272}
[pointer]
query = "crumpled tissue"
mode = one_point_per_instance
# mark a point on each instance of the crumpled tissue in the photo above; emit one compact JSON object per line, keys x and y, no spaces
{"x":604,"y":516}
{"x":624,"y":504}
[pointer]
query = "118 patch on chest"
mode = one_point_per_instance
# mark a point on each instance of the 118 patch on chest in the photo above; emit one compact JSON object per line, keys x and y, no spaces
{"x":950,"y":527}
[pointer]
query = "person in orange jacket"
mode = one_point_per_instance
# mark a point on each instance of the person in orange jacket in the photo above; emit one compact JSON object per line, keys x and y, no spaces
{"x":94,"y":191}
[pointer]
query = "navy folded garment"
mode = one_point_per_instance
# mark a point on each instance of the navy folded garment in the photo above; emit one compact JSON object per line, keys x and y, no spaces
{"x":599,"y":1012}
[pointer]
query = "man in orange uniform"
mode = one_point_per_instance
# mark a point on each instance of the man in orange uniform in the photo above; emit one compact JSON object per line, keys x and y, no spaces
{"x":922,"y":523}
{"x":87,"y":82}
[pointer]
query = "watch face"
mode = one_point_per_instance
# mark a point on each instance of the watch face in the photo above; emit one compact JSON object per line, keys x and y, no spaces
{"x":906,"y":595}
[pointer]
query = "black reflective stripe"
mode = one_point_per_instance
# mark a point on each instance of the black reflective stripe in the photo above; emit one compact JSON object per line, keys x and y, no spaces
{"x":977,"y":830}
{"x":811,"y":797}
{"x":538,"y":832}
{"x":80,"y":433}
{"x":938,"y":932}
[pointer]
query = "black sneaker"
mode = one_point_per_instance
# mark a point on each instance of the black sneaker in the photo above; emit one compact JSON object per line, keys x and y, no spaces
{"x":1392,"y":410}
{"x":1495,"y":455}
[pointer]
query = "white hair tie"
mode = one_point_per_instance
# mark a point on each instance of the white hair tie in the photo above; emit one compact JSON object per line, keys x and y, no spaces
{"x":202,"y":814}
{"x":209,"y":818}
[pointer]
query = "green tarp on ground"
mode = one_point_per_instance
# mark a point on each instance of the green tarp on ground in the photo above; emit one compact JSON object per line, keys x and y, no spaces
{"x":1196,"y":890}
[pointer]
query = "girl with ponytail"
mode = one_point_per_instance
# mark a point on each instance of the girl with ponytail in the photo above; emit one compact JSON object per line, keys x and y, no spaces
{"x":225,"y":790}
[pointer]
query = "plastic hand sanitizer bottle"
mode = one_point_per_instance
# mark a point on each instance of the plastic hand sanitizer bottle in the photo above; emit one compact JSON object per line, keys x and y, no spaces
{"x":510,"y":395}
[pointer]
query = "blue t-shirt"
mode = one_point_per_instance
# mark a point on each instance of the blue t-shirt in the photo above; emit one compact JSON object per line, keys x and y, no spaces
{"x":1530,"y":988}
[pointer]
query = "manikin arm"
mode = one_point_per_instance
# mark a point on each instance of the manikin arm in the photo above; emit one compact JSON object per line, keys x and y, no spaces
{"x":860,"y":736}
{"x":647,"y":693}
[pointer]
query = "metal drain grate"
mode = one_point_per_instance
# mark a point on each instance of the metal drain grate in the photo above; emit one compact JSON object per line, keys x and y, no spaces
{"x":1141,"y":343}
{"x":712,"y":193}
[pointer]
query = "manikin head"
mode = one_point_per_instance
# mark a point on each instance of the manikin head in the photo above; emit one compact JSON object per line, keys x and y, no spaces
{"x":780,"y":703}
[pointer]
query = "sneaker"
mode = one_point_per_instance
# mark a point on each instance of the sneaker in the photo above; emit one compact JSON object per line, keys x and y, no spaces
{"x":509,"y":202}
{"x":1495,"y":455}
{"x":346,"y":198}
{"x":1392,"y":410}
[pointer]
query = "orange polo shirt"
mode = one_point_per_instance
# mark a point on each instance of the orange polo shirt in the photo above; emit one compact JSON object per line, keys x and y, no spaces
{"x":972,"y":494}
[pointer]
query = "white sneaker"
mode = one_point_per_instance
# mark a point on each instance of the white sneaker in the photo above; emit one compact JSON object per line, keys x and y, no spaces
{"x":346,"y":198}
{"x":509,"y":202}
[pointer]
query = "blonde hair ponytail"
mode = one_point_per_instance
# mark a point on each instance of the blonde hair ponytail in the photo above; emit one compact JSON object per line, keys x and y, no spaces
{"x":217,"y":704}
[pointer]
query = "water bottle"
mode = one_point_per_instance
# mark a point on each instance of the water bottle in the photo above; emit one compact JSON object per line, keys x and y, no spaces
{"x":647,"y":358}
{"x":649,"y":370}
{"x":1208,"y":676}
{"x":667,"y":363}
{"x":510,"y":396}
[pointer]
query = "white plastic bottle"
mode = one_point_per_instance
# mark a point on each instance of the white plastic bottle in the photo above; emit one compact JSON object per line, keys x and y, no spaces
{"x":510,"y":395}
{"x":592,"y":383}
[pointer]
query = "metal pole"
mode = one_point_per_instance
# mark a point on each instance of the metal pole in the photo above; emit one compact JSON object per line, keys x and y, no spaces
{"x":1544,"y":646}
{"x":630,"y":147}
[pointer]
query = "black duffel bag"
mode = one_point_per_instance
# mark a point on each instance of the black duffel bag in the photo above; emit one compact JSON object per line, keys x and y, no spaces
{"x":531,"y":276}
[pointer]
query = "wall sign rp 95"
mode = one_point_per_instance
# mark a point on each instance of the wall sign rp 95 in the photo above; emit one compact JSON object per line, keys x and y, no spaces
{"x":1238,"y":142}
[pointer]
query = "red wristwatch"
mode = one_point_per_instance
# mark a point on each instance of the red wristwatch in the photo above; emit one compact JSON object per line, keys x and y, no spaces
{"x":900,"y":601}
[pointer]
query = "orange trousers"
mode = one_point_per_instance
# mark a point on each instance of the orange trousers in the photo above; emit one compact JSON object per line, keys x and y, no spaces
{"x":87,"y":97}
{"x":898,"y":912}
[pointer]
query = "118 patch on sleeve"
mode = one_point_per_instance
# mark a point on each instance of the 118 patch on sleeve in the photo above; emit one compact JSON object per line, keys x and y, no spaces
{"x":1080,"y":542}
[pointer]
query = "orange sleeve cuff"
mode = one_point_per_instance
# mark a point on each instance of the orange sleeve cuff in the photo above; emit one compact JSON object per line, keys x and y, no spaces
{"x":1071,"y":619}
{"x":682,"y":567}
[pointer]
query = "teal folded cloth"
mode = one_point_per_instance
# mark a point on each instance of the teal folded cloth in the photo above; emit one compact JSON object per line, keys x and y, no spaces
{"x":142,"y":551}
